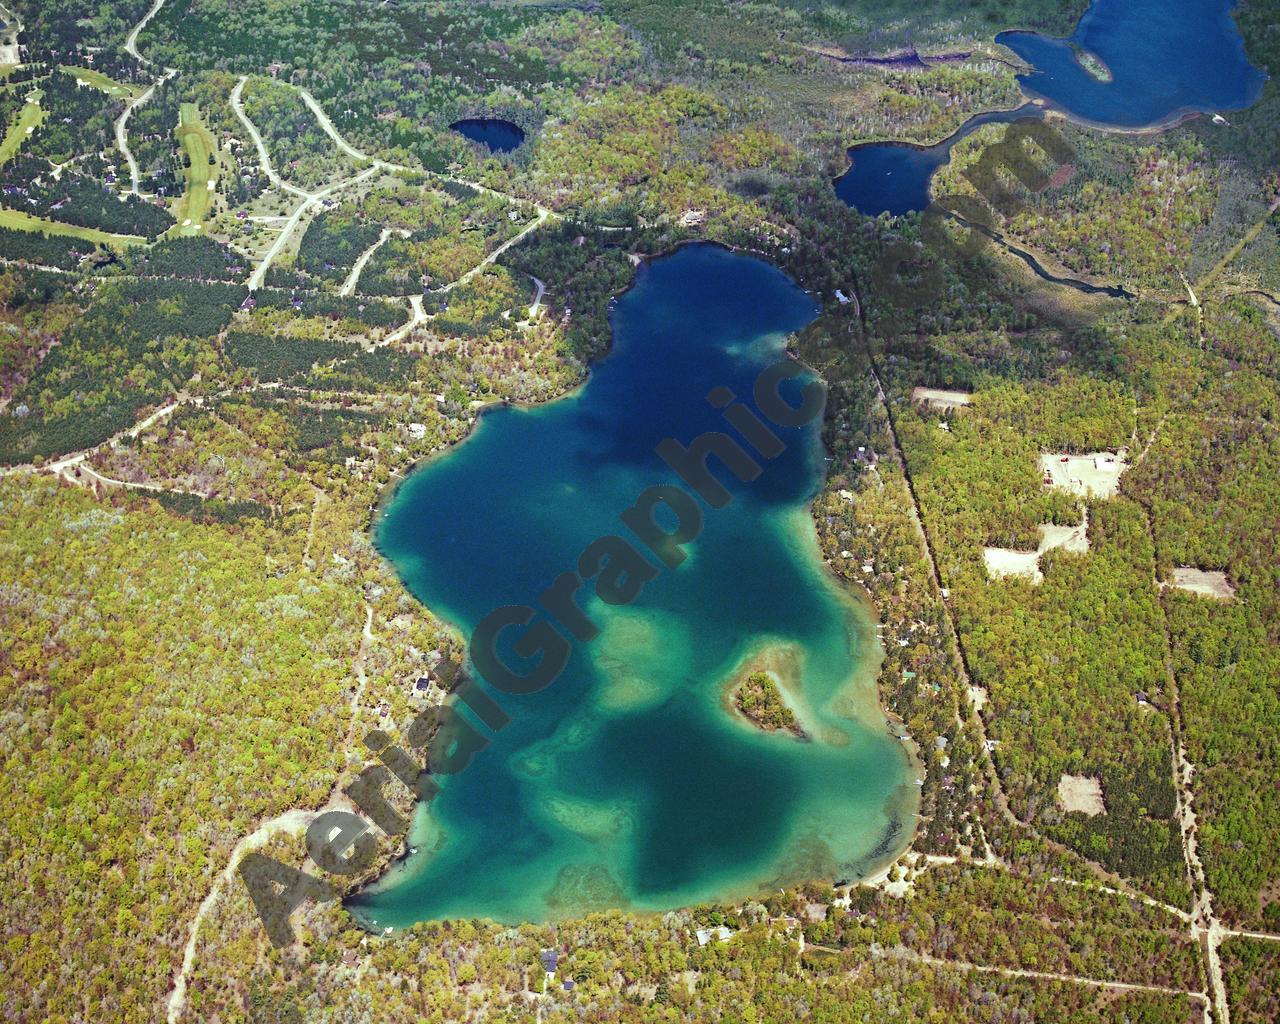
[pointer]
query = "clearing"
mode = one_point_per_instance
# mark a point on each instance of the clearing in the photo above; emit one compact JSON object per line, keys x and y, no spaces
{"x":1002,"y":562}
{"x":937,"y":399}
{"x":9,"y":56}
{"x":1081,"y":793}
{"x":1096,"y":474}
{"x":199,"y":152}
{"x":1206,"y":582}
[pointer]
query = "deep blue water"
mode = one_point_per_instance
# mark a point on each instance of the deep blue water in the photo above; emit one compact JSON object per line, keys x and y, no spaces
{"x":1166,"y":58}
{"x":893,"y":177}
{"x":628,"y":782}
{"x":498,"y":135}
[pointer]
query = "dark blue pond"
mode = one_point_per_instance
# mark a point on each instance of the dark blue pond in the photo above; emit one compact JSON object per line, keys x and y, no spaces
{"x":1165,"y":57}
{"x":893,"y":177}
{"x":628,"y":781}
{"x":498,"y":135}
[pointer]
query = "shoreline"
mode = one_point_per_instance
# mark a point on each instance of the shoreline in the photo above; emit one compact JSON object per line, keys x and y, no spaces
{"x":862,"y":616}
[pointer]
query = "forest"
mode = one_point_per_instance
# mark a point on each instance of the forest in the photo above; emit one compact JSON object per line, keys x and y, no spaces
{"x":202,"y":630}
{"x":759,"y":698}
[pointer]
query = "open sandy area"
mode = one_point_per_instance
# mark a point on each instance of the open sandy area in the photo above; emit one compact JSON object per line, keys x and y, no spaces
{"x":1002,"y":562}
{"x":936,"y":399}
{"x":1081,"y":793}
{"x":1207,"y":582}
{"x":1094,"y":475}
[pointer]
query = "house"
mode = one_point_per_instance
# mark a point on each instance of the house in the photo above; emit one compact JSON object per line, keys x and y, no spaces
{"x":719,"y":934}
{"x":549,"y":958}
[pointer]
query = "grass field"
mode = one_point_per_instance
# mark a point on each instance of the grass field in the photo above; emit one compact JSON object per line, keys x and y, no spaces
{"x":19,"y":221}
{"x":100,"y":81}
{"x":29,"y":119}
{"x":199,"y":150}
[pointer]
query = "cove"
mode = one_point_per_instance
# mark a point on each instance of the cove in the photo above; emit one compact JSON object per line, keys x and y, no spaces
{"x":1166,"y":58}
{"x":630,"y":781}
{"x":893,"y":177}
{"x":497,"y":135}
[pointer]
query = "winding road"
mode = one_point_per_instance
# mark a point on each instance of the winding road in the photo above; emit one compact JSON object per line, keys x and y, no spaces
{"x":292,"y":823}
{"x":309,"y":199}
{"x":353,"y":278}
{"x":131,"y":40}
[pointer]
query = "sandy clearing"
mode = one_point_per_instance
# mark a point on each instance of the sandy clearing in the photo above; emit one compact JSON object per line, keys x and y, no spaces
{"x":1081,"y":793}
{"x":938,"y":399}
{"x":1096,"y":474}
{"x":1002,"y":562}
{"x":9,"y":37}
{"x":1206,"y":582}
{"x":1070,"y":538}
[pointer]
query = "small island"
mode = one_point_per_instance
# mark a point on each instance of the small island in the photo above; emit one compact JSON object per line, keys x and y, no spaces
{"x":1092,"y":64}
{"x":760,"y":700}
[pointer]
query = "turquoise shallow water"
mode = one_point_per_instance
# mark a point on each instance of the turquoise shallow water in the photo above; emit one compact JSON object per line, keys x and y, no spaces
{"x":628,"y":782}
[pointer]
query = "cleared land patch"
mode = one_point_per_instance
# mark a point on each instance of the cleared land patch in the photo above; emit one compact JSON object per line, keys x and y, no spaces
{"x":1206,"y":582}
{"x":1081,"y":793}
{"x":938,"y":399}
{"x":1003,"y":562}
{"x":1096,"y":474}
{"x":9,"y":56}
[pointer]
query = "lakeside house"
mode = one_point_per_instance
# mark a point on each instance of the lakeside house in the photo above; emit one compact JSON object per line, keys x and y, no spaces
{"x":719,"y":934}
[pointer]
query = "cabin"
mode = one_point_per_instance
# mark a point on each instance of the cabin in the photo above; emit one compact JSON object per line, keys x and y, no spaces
{"x":718,"y":934}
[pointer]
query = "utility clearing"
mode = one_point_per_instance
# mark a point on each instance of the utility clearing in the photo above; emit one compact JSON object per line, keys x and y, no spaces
{"x":1205,"y":582}
{"x":1002,"y":562}
{"x":938,"y":399}
{"x":1094,"y":475}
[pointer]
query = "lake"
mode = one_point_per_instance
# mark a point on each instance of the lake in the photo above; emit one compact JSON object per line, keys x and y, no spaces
{"x":497,"y":135}
{"x":1165,"y":59}
{"x":630,"y":781}
{"x":894,"y":177}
